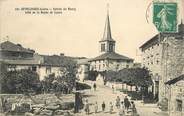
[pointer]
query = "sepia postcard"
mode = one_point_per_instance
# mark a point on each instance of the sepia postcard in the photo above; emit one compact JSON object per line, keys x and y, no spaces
{"x":92,"y":57}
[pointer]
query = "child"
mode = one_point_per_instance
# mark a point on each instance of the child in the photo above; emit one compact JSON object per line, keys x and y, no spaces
{"x":122,"y":110}
{"x":86,"y":107}
{"x":118,"y":102}
{"x":111,"y":107}
{"x":96,"y":107}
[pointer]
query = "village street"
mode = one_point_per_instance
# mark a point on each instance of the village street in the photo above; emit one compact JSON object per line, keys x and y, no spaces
{"x":105,"y":93}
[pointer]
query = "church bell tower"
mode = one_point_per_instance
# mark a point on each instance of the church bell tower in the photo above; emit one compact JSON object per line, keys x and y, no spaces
{"x":107,"y":44}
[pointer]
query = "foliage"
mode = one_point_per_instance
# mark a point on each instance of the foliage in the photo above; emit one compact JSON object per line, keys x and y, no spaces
{"x":92,"y":75}
{"x":21,"y":81}
{"x":110,"y":75}
{"x":131,"y":76}
{"x":135,"y":76}
{"x":3,"y":71}
{"x":82,"y":86}
{"x":63,"y":83}
{"x":47,"y":83}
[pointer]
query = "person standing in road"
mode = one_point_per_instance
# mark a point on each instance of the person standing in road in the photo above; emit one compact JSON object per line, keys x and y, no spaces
{"x":112,"y":88}
{"x":96,"y":107}
{"x":134,"y":110}
{"x":94,"y":86}
{"x":126,"y":103}
{"x":103,"y":106}
{"x":122,"y":110}
{"x":111,"y":107}
{"x":86,"y":107}
{"x":118,"y":102}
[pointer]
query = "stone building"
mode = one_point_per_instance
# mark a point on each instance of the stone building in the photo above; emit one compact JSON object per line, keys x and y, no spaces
{"x":176,"y":96}
{"x":163,"y":55}
{"x":108,"y":58}
{"x":16,"y":57}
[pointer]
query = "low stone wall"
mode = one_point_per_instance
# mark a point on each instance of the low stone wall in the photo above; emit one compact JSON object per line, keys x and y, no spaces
{"x":120,"y":86}
{"x":37,"y":99}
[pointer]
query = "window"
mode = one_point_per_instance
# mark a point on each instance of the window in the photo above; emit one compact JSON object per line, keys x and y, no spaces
{"x":117,"y":67}
{"x":34,"y":68}
{"x":102,"y":47}
{"x":157,"y":61}
{"x":111,"y":47}
{"x":178,"y":105}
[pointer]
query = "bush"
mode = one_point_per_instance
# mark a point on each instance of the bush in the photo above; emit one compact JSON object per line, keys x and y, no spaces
{"x":22,"y":81}
{"x":82,"y":86}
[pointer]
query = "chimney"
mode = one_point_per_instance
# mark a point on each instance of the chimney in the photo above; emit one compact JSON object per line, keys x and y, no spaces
{"x":62,"y":54}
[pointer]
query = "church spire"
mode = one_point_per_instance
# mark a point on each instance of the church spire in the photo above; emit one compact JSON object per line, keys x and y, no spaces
{"x":107,"y":31}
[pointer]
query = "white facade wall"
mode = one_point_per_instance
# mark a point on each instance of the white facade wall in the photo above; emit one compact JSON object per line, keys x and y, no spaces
{"x":82,"y":72}
{"x":43,"y":71}
{"x":102,"y":65}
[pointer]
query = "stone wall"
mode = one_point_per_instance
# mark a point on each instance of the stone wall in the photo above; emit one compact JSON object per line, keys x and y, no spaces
{"x":172,"y":64}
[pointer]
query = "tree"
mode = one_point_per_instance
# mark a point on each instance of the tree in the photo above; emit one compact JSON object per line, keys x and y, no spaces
{"x":21,"y":81}
{"x":3,"y":71}
{"x":110,"y":75}
{"x":66,"y":81}
{"x":92,"y":75}
{"x":135,"y":76}
{"x":47,"y":83}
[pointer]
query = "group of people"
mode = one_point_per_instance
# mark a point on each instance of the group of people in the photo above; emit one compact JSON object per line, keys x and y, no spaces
{"x":127,"y":107}
{"x":96,"y":108}
{"x":124,"y":107}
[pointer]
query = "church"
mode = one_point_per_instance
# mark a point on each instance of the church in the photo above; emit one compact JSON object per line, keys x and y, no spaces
{"x":108,"y":58}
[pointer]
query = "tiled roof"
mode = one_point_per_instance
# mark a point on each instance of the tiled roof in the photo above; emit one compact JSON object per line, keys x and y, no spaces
{"x":56,"y":60}
{"x":173,"y":81}
{"x":83,"y":61}
{"x":155,"y":39}
{"x":111,"y":56}
{"x":36,"y":60}
{"x":9,"y":46}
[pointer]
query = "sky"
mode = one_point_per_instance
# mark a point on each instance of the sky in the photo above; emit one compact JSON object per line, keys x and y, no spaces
{"x":78,"y":32}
